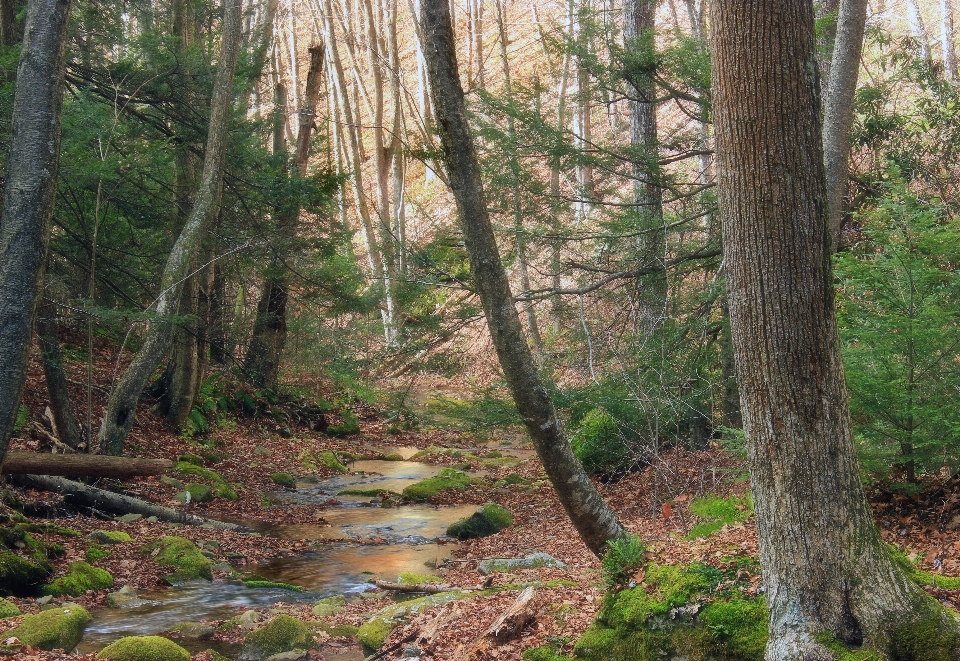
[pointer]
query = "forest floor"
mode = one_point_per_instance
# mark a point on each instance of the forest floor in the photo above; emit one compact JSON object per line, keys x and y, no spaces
{"x":652,"y":502}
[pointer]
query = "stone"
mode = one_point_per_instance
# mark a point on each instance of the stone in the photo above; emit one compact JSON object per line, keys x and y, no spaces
{"x":263,"y":451}
{"x":182,"y":556}
{"x":44,"y":600}
{"x":285,"y":480}
{"x":487,"y":567}
{"x":20,"y":576}
{"x":109,"y":537}
{"x":171,"y":482}
{"x":144,"y":648}
{"x":199,"y":493}
{"x":57,"y":628}
{"x":489,"y":519}
{"x":412,"y":652}
{"x":329,"y":606}
{"x":192,"y":631}
{"x":125,"y":597}
{"x":129,"y":518}
{"x":248,"y":620}
{"x":281,"y":634}
{"x":292,"y":655}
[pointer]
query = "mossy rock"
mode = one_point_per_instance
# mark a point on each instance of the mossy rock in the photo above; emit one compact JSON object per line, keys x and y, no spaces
{"x":48,"y":529}
{"x":329,"y":459}
{"x":392,"y":456}
{"x":192,"y":631}
{"x":426,"y":489}
{"x":182,"y":556}
{"x":81,"y":576}
{"x":220,"y":487}
{"x":8,"y":609}
{"x":281,"y":634}
{"x":511,"y":480}
{"x":21,"y":577}
{"x":272,"y":584}
{"x":109,"y":537}
{"x":199,"y":493}
{"x":372,"y":493}
{"x":506,"y":565}
{"x":329,"y":606}
{"x":337,"y":630}
{"x":501,"y":462}
{"x":489,"y":519}
{"x":190,"y":459}
{"x":58,"y":628}
{"x":144,"y":648}
{"x":125,"y":596}
{"x":679,"y":613}
{"x":375,"y":630}
{"x":285,"y":480}
{"x":350,"y":424}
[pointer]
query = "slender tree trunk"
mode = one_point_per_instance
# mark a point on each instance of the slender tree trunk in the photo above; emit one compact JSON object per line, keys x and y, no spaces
{"x":591,"y":516}
{"x":639,"y":23}
{"x":826,"y":571}
{"x":121,"y":408}
{"x":838,"y":114}
{"x":65,"y":423}
{"x":946,"y":41}
{"x":919,"y":30}
{"x":827,"y":39}
{"x":29,"y":194}
{"x":9,"y":29}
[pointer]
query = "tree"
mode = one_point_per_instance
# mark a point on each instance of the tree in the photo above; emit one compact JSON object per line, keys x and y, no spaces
{"x":591,"y":516}
{"x":121,"y":409}
{"x":29,"y":194}
{"x":827,"y":573}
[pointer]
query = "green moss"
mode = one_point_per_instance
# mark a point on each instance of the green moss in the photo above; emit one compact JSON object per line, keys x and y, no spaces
{"x":412,"y":578}
{"x":329,"y":606}
{"x":718,"y":512}
{"x":544,"y":653}
{"x":220,"y":486}
{"x":430,"y":487}
{"x":144,"y":648}
{"x":373,"y":493}
{"x":182,"y":556}
{"x":285,"y":480}
{"x":739,"y":626}
{"x":80,"y":577}
{"x":501,"y":462}
{"x":392,"y":456}
{"x":281,"y":634}
{"x":199,"y":493}
{"x":337,"y":630}
{"x":225,"y":491}
{"x":372,"y":634}
{"x":190,"y":459}
{"x":489,"y":519}
{"x":511,"y":479}
{"x":97,"y":553}
{"x":925,"y":639}
{"x":109,"y":536}
{"x":58,"y":628}
{"x":8,"y":609}
{"x":350,"y":424}
{"x":48,"y":529}
{"x":21,"y":577}
{"x":272,"y":584}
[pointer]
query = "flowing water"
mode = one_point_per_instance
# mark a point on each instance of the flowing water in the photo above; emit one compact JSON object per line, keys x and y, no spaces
{"x":397,"y":539}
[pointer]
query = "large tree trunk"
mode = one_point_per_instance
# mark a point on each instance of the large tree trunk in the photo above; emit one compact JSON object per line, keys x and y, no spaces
{"x":838,"y":114}
{"x":120,"y":468}
{"x":826,"y":570}
{"x":591,"y":516}
{"x":121,"y":408}
{"x":29,"y":195}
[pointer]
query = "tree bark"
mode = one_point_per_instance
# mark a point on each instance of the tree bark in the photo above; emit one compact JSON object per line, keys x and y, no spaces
{"x":29,"y":194}
{"x":946,"y":41}
{"x":65,"y":423}
{"x":838,"y":114}
{"x":825,"y":568}
{"x":87,"y":465}
{"x":9,"y":28}
{"x":919,"y":30}
{"x":121,"y":408}
{"x":591,"y":516}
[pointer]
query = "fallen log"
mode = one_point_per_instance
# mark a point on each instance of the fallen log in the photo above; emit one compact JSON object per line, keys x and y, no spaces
{"x":429,"y":588}
{"x":504,"y":629}
{"x":87,"y":465}
{"x":84,"y":495}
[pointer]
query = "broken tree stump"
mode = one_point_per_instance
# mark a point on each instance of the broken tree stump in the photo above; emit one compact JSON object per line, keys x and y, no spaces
{"x":504,"y":629}
{"x":86,"y":465}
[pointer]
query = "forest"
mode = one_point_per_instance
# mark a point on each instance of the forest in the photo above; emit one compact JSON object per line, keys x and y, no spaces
{"x":474,"y":330}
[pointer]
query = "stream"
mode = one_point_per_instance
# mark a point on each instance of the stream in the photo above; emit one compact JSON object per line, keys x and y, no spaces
{"x":403,"y":541}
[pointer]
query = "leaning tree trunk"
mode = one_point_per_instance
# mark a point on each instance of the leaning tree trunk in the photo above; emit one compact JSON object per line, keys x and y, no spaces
{"x":121,"y":408}
{"x":29,"y":194}
{"x":594,"y":520}
{"x":838,"y":113}
{"x":827,"y":573}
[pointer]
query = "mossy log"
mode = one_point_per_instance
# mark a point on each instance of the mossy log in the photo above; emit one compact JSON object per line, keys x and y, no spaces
{"x":81,"y":494}
{"x":87,"y":465}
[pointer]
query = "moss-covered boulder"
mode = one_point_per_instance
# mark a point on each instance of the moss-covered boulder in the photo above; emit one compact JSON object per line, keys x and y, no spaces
{"x":220,"y":487}
{"x":532,"y":561}
{"x":21,"y":577}
{"x":81,"y":576}
{"x":329,"y":606}
{"x":125,"y":597}
{"x":375,"y":630}
{"x":198,"y":493}
{"x":144,"y":648}
{"x":108,"y":537}
{"x":58,"y":628}
{"x":489,"y":519}
{"x":182,"y":556}
{"x":679,"y":613}
{"x":329,"y":459}
{"x":8,"y":609}
{"x":448,"y":478}
{"x":285,"y":480}
{"x":281,"y":634}
{"x":192,"y":631}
